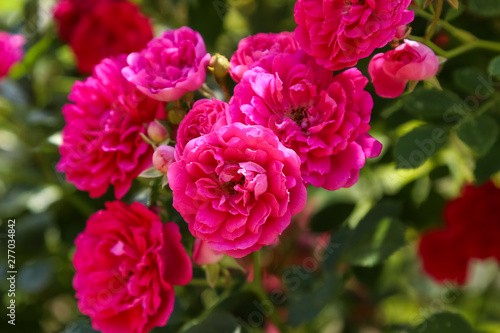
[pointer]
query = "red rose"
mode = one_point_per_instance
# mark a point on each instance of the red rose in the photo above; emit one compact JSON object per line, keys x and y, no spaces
{"x":98,"y":29}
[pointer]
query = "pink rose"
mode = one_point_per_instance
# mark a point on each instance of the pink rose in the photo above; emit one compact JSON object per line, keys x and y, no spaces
{"x":322,"y":117}
{"x":11,"y":49}
{"x":169,"y":66}
{"x":204,"y":255}
{"x":206,"y":116}
{"x":237,"y":188}
{"x":338,"y":32}
{"x":102,"y":143}
{"x":163,"y":157}
{"x":127,"y":263}
{"x":255,"y":50}
{"x":391,"y":71}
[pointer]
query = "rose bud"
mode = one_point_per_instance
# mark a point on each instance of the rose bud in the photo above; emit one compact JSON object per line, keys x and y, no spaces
{"x":391,"y":71}
{"x":204,"y":255}
{"x":163,"y":157}
{"x":157,"y":132}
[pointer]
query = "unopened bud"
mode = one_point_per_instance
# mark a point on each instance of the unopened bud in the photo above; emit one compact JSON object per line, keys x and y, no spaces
{"x":163,"y":157}
{"x":219,"y":66}
{"x":157,"y":132}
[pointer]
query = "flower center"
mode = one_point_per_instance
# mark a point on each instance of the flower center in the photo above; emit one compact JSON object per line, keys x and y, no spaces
{"x":299,"y":117}
{"x":229,"y":187}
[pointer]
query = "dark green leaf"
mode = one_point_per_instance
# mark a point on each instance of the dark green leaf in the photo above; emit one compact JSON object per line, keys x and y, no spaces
{"x":331,"y":217}
{"x":35,"y":277}
{"x":488,"y":164}
{"x":79,"y":327}
{"x":433,"y":104}
{"x":444,"y":322}
{"x":216,"y":322}
{"x":488,"y":8}
{"x":473,"y":82}
{"x":494,"y":67}
{"x":479,"y":133}
{"x":415,"y":147}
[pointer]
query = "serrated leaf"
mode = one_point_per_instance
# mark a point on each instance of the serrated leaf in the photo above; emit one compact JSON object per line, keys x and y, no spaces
{"x":432,"y":103}
{"x":479,"y":133}
{"x":494,"y":67}
{"x":331,"y":217}
{"x":415,"y":147}
{"x":445,"y":322}
{"x":151,"y":173}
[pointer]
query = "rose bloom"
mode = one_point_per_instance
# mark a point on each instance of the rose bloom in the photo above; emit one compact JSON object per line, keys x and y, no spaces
{"x":108,"y":28}
{"x":170,"y":66}
{"x":323,"y":118}
{"x":338,"y":33}
{"x":206,"y":116}
{"x":102,"y":143}
{"x":391,"y":71}
{"x":127,"y":263}
{"x":11,"y":48}
{"x":237,"y":187}
{"x":254,"y":50}
{"x":67,"y":14}
{"x":471,"y":232}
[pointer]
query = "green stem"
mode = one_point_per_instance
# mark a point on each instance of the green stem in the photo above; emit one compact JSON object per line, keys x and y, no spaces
{"x":154,"y":189}
{"x":261,"y":293}
{"x":463,"y":35}
{"x":477,"y":44}
{"x":431,"y":29}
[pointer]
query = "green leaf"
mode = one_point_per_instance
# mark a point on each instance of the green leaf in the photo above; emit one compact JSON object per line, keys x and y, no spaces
{"x":331,"y":217}
{"x":494,"y":67}
{"x":377,"y":235}
{"x":216,"y":322}
{"x":432,"y":103}
{"x":488,"y":164}
{"x":445,"y":322}
{"x":151,"y":173}
{"x":212,"y":272}
{"x":489,"y":8}
{"x":474,"y":82}
{"x":415,"y":147}
{"x":479,"y":133}
{"x":35,"y":277}
{"x":79,"y":326}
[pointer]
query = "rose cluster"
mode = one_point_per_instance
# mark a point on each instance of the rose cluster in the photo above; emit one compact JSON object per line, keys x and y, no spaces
{"x":238,"y":170}
{"x":471,"y":233}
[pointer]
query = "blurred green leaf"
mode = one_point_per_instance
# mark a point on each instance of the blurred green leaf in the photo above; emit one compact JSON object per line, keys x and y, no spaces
{"x":489,"y":8}
{"x":377,"y":235}
{"x":445,"y":322}
{"x":415,"y":147}
{"x":80,"y":327}
{"x":36,"y":276}
{"x":488,"y":164}
{"x":432,"y":103}
{"x":212,"y":272}
{"x":216,"y":322}
{"x":494,"y":67}
{"x":479,"y":133}
{"x":473,"y":81}
{"x":331,"y":217}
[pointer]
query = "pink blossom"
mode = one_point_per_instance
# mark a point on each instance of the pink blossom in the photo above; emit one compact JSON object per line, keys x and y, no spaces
{"x":206,"y":116}
{"x":169,"y":66}
{"x":237,"y":187}
{"x":338,"y":32}
{"x":163,"y":157}
{"x":127,"y":263}
{"x":11,"y":49}
{"x":256,"y":50}
{"x":102,"y":143}
{"x":204,"y":255}
{"x":391,"y":71}
{"x":322,"y":117}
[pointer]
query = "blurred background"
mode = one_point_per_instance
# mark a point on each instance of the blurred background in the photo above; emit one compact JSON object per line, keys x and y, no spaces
{"x":385,"y":290}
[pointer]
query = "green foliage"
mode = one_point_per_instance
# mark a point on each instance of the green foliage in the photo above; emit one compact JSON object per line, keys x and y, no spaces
{"x":415,"y":147}
{"x":444,"y":322}
{"x":432,"y":104}
{"x":487,"y":8}
{"x":479,"y":133}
